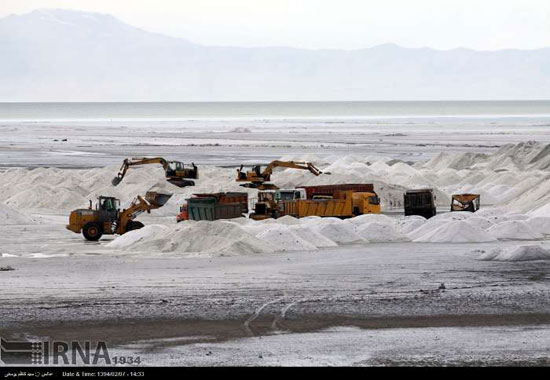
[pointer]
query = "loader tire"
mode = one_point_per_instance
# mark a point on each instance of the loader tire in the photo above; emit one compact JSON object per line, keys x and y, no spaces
{"x":132,"y":225}
{"x":92,"y":231}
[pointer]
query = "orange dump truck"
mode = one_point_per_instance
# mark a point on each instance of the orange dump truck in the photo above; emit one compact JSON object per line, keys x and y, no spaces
{"x":339,"y":206}
{"x":329,"y":190}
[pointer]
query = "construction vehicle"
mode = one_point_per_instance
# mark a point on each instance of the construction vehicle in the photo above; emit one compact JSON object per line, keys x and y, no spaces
{"x":339,"y":206}
{"x":214,"y":206}
{"x":363,"y":201}
{"x":266,"y":206}
{"x":465,"y":202}
{"x":108,"y":219}
{"x":328,"y":190}
{"x":420,"y":202}
{"x":258,"y":179}
{"x":175,"y":171}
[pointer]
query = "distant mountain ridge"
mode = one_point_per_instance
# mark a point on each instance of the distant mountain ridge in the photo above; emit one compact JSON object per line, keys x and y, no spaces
{"x":62,"y":55}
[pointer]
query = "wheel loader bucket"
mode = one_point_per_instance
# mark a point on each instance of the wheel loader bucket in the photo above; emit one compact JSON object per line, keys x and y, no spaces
{"x":157,"y":199}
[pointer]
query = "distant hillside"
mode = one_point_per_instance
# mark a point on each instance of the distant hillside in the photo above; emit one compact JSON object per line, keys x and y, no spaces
{"x":61,"y":55}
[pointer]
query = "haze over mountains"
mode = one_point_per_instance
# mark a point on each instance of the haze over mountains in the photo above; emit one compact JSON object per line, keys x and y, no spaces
{"x":62,"y":55}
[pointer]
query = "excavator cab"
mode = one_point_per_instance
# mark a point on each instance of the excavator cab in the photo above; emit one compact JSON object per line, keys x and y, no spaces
{"x":257,"y":170}
{"x":173,"y":166}
{"x":255,"y":175}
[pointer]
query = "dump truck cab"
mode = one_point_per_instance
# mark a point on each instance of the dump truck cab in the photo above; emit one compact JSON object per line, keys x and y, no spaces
{"x":420,"y":202}
{"x":465,"y":202}
{"x":365,"y":203}
{"x":289,"y":195}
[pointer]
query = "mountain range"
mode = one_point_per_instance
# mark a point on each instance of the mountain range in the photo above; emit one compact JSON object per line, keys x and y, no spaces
{"x":65,"y":55}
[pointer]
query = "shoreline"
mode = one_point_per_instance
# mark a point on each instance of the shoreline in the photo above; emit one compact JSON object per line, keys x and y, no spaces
{"x":125,"y":331}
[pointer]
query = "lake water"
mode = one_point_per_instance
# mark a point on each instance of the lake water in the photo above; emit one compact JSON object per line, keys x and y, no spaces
{"x":171,"y":111}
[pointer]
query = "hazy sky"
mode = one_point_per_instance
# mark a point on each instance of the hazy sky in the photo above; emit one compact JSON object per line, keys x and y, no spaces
{"x":345,"y":24}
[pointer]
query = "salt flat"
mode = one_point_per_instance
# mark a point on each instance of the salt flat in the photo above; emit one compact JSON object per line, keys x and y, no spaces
{"x":232,"y":142}
{"x":287,"y":281}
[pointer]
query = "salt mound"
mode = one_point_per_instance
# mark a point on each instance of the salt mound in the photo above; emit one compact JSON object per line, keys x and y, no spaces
{"x":451,"y":216}
{"x":456,"y":232}
{"x":402,"y":168}
{"x":287,"y":220}
{"x":320,"y":220}
{"x":514,"y":230}
{"x":518,"y":253}
{"x":479,"y":222}
{"x":341,"y":233}
{"x":427,"y":227}
{"x":310,"y":235}
{"x":510,"y":217}
{"x":541,"y":224}
{"x":243,"y":221}
{"x":369,"y":218}
{"x":378,"y":232}
{"x":9,"y":216}
{"x":541,"y":211}
{"x":189,"y":237}
{"x":132,"y":237}
{"x":284,"y":238}
{"x":409,"y":223}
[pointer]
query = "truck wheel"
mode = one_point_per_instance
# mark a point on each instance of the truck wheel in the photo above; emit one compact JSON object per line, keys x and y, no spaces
{"x":134,"y":226}
{"x":92,"y":231}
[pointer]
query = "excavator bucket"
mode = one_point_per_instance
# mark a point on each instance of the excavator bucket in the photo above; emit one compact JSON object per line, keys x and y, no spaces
{"x":116,"y":181}
{"x":157,"y":199}
{"x":180,"y":182}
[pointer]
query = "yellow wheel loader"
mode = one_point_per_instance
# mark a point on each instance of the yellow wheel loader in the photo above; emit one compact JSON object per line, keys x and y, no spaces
{"x":108,"y":219}
{"x":175,"y":171}
{"x":256,"y":178}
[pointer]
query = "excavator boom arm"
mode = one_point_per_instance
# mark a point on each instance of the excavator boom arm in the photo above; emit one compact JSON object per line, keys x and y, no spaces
{"x":290,"y":164}
{"x":137,"y":161}
{"x":257,"y":179}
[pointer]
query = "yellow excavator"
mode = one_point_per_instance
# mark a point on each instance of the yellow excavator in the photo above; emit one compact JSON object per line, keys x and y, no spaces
{"x":176,"y":172}
{"x":256,"y":178}
{"x":108,"y":219}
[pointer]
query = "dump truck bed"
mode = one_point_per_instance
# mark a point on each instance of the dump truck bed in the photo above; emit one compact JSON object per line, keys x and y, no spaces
{"x":229,"y":197}
{"x":210,"y":209}
{"x":311,"y":191}
{"x":341,"y":206}
{"x":419,"y":202}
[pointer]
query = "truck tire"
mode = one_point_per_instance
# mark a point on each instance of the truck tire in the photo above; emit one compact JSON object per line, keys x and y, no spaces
{"x":132,"y":225}
{"x":92,"y":231}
